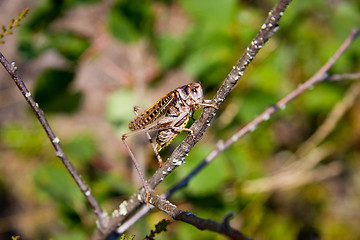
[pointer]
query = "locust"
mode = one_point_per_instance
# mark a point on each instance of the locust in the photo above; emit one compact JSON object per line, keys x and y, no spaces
{"x":169,"y":117}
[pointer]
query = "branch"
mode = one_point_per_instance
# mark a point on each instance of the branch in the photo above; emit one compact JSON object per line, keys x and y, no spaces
{"x":203,"y":224}
{"x":12,"y":70}
{"x":269,"y":27}
{"x":348,"y":76}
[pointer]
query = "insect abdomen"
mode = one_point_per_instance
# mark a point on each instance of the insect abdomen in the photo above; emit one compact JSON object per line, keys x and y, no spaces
{"x":166,"y":137}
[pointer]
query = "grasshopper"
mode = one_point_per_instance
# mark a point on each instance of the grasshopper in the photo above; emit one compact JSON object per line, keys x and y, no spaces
{"x":169,"y":117}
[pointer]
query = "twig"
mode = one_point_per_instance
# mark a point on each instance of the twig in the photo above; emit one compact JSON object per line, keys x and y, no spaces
{"x":203,"y":224}
{"x":331,"y":120}
{"x":340,"y":77}
{"x":300,"y":174}
{"x":305,"y":159}
{"x":13,"y":23}
{"x":178,"y":156}
{"x":12,"y":70}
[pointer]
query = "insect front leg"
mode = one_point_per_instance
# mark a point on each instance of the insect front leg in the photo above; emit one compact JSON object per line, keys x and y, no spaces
{"x":208,"y":103}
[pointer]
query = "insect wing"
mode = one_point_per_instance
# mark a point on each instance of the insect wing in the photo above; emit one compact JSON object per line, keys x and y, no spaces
{"x":153,"y":113}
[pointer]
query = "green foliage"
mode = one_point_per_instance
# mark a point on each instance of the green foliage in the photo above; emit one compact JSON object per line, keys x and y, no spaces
{"x":118,"y":113}
{"x":325,"y":98}
{"x":209,"y":41}
{"x":213,"y":13}
{"x":26,"y":140}
{"x":53,"y":93}
{"x":213,"y":178}
{"x":130,"y":20}
{"x":54,"y":182}
{"x":72,"y":235}
{"x":254,"y":102}
{"x":213,"y":36}
{"x":81,"y":149}
{"x":170,"y":50}
{"x":70,"y":45}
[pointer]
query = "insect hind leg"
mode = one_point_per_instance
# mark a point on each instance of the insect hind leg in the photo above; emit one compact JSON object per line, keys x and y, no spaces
{"x":147,"y":190}
{"x":160,"y":161}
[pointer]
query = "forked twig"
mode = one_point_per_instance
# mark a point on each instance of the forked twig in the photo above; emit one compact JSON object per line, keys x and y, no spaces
{"x":99,"y":212}
{"x":203,"y":224}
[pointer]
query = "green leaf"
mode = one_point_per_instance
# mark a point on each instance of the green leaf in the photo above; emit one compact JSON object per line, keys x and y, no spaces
{"x":25,"y":140}
{"x":44,"y":14}
{"x":68,"y":44}
{"x":55,"y":181}
{"x":129,"y":20}
{"x":253,"y":103}
{"x":322,"y":98}
{"x":52,"y":91}
{"x":74,"y":3}
{"x":75,"y":234}
{"x":119,"y":109}
{"x":210,"y":179}
{"x":212,"y":12}
{"x":81,"y":149}
{"x":110,"y":184}
{"x":169,"y":50}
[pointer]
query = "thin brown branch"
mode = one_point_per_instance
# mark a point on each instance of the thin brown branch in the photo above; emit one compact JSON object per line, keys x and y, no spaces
{"x":223,"y":228}
{"x":305,"y":172}
{"x":12,"y":70}
{"x":341,"y":77}
{"x":331,"y":120}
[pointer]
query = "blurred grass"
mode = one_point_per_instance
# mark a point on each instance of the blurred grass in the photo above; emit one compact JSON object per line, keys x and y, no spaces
{"x":211,"y":38}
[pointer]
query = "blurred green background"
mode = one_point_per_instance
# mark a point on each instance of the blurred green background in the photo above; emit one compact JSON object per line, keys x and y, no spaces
{"x":88,"y":62}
